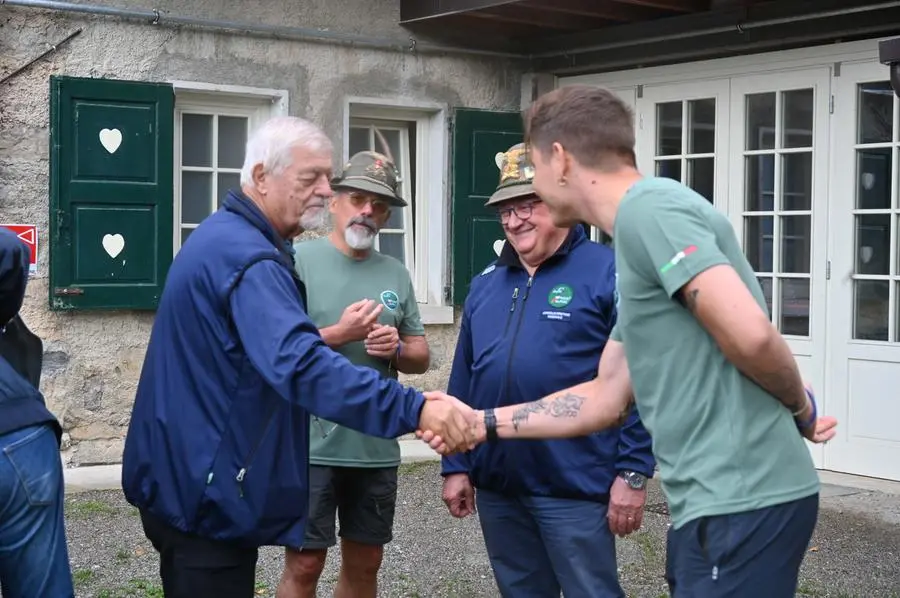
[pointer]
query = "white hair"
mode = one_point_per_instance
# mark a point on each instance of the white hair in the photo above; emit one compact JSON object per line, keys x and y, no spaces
{"x":271,"y":144}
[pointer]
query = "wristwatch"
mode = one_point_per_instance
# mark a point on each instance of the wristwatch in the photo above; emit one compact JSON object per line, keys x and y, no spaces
{"x":635,"y":480}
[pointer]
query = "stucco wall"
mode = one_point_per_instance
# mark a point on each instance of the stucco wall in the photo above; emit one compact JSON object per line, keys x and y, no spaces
{"x":93,"y":360}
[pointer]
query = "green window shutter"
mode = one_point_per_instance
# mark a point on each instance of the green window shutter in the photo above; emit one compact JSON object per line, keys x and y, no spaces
{"x":111,"y":196}
{"x":477,"y":137}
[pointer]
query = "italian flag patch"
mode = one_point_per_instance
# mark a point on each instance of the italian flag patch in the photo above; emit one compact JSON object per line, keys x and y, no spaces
{"x":677,"y":258}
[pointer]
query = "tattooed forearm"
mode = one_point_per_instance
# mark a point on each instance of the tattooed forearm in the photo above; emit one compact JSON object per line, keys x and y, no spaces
{"x":786,"y":385}
{"x":567,"y":405}
{"x":521,"y":414}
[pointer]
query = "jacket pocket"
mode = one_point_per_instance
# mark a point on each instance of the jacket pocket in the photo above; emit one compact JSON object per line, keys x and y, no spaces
{"x":35,"y":457}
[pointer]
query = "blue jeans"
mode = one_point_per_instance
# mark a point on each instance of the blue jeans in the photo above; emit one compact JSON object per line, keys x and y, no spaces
{"x":539,"y":546}
{"x":34,"y":559}
{"x":744,"y":555}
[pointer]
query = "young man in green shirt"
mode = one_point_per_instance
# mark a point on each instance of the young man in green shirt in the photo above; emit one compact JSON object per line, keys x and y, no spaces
{"x":716,"y":385}
{"x":365,"y":307}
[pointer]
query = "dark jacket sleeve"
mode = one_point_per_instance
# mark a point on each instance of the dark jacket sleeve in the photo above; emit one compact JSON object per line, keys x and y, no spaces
{"x":14,"y":258}
{"x":285,"y":347}
{"x":458,"y":386}
{"x":635,"y":447}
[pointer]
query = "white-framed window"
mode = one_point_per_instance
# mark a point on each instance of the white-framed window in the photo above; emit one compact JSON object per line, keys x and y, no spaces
{"x":397,"y":237}
{"x":211,"y":127}
{"x":416,"y":134}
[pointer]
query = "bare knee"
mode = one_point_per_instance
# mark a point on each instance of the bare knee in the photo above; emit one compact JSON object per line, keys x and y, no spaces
{"x":304,"y":567}
{"x":361,"y":562}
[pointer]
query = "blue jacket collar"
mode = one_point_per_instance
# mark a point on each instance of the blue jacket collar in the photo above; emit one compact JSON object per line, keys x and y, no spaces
{"x":242,"y":205}
{"x":509,"y":258}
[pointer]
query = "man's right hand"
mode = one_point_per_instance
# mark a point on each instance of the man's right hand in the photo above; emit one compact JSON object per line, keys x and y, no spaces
{"x":459,"y":495}
{"x":358,"y":320}
{"x":449,"y":419}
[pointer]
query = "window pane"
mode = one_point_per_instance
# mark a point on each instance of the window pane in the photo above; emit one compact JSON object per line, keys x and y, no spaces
{"x":668,"y":129}
{"x":795,"y":306}
{"x":701,"y":176}
{"x":873,"y":244}
{"x":760,"y":121}
{"x":232,"y":139}
{"x":873,"y":168}
{"x":396,"y":218}
{"x":196,"y":196}
{"x":760,"y":183}
{"x":196,"y":140}
{"x":669,"y":168}
{"x":796,"y":181}
{"x":796,"y":243}
{"x":797,"y":118}
{"x":359,"y":140}
{"x":766,"y":284}
{"x":702,"y":124}
{"x":393,"y":140}
{"x":876,"y":111}
{"x":871,"y":310}
{"x":226,"y":182}
{"x":758,"y":232}
{"x":185,"y":232}
{"x":392,"y":244}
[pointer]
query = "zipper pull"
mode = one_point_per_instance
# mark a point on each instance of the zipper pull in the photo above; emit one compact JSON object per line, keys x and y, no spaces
{"x":528,"y":288}
{"x":515,"y":296}
{"x":240,"y":480}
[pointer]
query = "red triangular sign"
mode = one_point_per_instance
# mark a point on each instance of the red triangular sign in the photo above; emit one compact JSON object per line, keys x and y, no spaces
{"x":27,"y":236}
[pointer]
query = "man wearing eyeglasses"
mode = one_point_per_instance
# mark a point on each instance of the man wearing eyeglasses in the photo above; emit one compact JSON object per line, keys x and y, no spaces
{"x":534,"y":322}
{"x":365,"y":307}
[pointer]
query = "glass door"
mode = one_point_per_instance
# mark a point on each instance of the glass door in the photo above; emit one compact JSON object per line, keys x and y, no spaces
{"x":865,"y":282}
{"x":778,"y":203}
{"x":682,"y":134}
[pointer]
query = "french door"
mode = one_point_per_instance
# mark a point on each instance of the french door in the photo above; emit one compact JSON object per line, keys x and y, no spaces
{"x":864,"y":324}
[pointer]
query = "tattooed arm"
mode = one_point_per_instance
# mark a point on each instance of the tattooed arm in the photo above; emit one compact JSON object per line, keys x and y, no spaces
{"x":604,"y":402}
{"x":724,"y":306}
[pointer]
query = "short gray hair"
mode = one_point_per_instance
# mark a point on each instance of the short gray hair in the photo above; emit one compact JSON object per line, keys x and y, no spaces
{"x":271,"y":144}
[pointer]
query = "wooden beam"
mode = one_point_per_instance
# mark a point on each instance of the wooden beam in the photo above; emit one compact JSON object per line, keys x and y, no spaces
{"x":420,"y":10}
{"x":610,"y":11}
{"x":538,"y":17}
{"x":682,"y":6}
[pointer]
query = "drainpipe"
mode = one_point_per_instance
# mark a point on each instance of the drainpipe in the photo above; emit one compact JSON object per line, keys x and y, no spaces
{"x":156,"y":17}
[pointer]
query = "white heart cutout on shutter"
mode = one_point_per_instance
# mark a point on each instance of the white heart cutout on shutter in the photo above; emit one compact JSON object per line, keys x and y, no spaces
{"x":111,"y":139}
{"x":113,"y":244}
{"x":498,"y":246}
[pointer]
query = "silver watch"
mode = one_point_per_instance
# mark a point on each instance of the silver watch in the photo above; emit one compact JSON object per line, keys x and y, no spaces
{"x":635,"y":480}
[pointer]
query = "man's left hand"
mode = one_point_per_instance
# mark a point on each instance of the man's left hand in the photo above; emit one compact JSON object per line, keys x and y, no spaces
{"x":626,"y":508}
{"x":382,"y":342}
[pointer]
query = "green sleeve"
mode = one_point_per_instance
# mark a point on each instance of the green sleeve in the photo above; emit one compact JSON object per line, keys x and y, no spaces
{"x":669,"y":241}
{"x":411,"y":325}
{"x":615,"y":335}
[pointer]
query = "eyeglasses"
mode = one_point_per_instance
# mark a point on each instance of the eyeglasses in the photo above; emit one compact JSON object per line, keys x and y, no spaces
{"x":523,"y":211}
{"x":379,"y":207}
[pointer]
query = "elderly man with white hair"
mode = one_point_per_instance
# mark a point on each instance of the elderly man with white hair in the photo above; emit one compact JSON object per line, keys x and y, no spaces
{"x":216,"y":457}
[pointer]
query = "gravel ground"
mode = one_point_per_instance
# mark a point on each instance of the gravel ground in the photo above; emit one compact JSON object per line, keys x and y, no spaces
{"x":854,"y":553}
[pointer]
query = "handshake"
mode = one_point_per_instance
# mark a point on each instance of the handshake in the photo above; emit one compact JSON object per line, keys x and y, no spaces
{"x":448,"y":425}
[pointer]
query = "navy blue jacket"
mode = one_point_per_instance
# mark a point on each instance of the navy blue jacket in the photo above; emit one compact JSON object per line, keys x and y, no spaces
{"x":21,"y":352}
{"x":519,"y":341}
{"x":218,"y":440}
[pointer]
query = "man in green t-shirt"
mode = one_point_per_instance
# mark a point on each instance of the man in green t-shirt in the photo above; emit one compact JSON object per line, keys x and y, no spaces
{"x":365,"y":307}
{"x":716,"y":385}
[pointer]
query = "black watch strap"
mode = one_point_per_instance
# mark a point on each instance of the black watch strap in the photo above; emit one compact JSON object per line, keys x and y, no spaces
{"x":490,"y":425}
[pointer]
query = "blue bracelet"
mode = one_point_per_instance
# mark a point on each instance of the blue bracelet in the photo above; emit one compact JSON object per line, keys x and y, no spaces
{"x":813,"y":417}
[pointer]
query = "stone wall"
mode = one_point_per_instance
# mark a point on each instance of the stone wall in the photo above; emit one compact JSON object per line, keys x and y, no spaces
{"x":93,"y":360}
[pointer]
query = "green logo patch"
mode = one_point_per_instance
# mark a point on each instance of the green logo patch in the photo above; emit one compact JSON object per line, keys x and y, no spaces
{"x":390,"y":300}
{"x":560,"y":296}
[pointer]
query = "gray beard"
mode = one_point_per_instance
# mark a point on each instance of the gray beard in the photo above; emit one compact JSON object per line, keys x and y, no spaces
{"x":314,"y":220}
{"x":359,"y":239}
